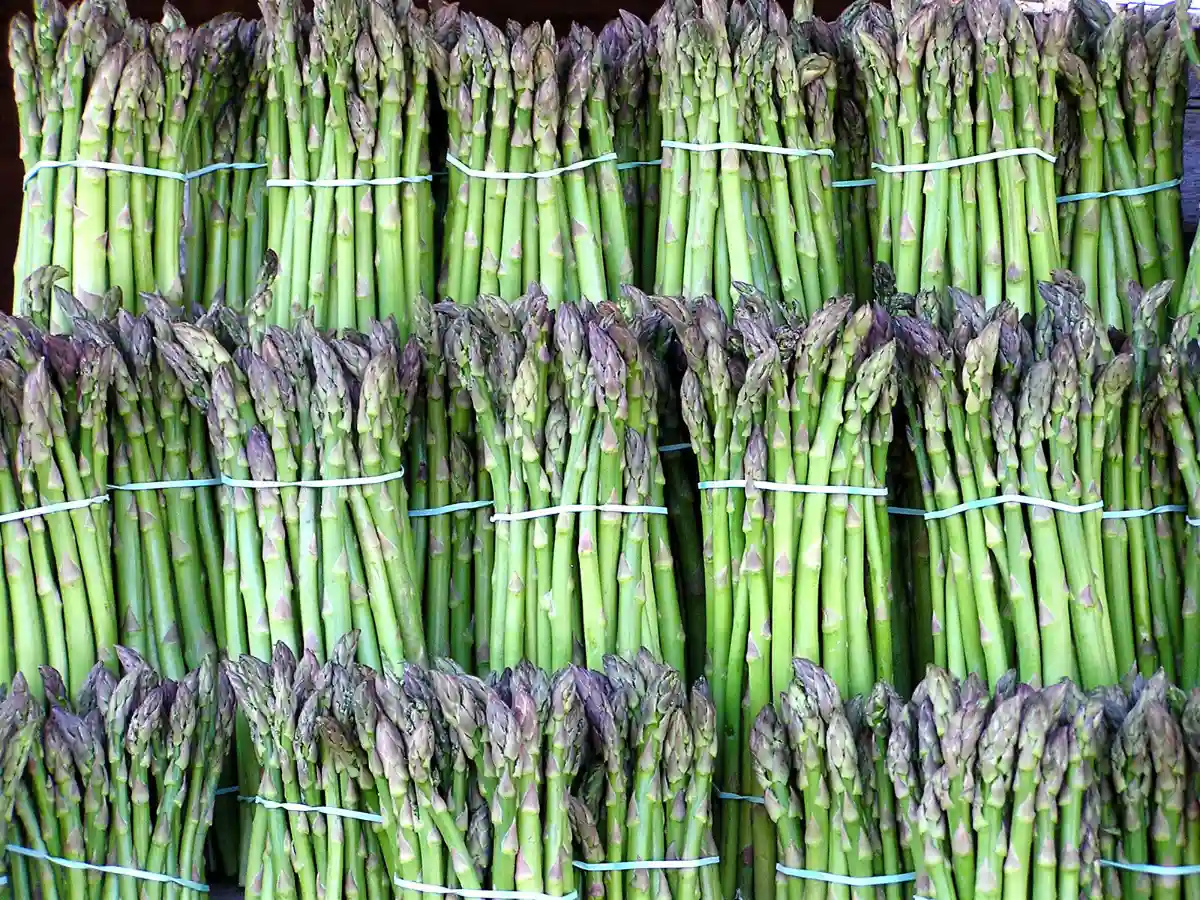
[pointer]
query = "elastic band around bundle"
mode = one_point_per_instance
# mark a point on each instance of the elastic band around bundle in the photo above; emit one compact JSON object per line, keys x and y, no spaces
{"x":441,"y":890}
{"x":741,"y":798}
{"x":749,"y":148}
{"x":165,"y":485}
{"x":638,"y":164}
{"x":521,"y":176}
{"x":1149,"y":869}
{"x":49,"y":508}
{"x":854,"y":183}
{"x":1142,"y":513}
{"x":1001,"y":500}
{"x":1122,"y":192}
{"x":846,"y":880}
{"x":111,"y":870}
{"x":640,"y":865}
{"x":334,"y":811}
{"x":134,"y":170}
{"x":942,"y":164}
{"x":226,"y":791}
{"x":675,"y":448}
{"x":784,"y":488}
{"x":348,"y":182}
{"x":448,"y":508}
{"x":578,"y":508}
{"x":318,"y":483}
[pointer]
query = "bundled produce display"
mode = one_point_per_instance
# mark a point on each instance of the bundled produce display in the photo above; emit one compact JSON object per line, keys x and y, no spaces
{"x":821,"y":766}
{"x":151,"y":101}
{"x":783,"y":413}
{"x":118,"y":793}
{"x":1084,"y":574}
{"x":432,"y":779}
{"x":520,"y":104}
{"x":567,"y":417}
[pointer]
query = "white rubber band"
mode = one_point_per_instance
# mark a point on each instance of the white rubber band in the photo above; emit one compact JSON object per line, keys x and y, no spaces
{"x":638,"y":164}
{"x":164,"y":485}
{"x":846,"y":880}
{"x":226,"y":791}
{"x":421,"y":888}
{"x":454,"y":161}
{"x":134,"y":170}
{"x":303,"y":807}
{"x":943,"y":164}
{"x":639,"y":865}
{"x":578,"y":508}
{"x":853,"y":183}
{"x":111,"y":870}
{"x":749,"y":148}
{"x":1122,"y":192}
{"x":784,"y":488}
{"x":348,"y":182}
{"x":675,"y":448}
{"x":449,"y":508}
{"x":1142,"y":513}
{"x":1150,"y":869}
{"x":741,"y":798}
{"x":1001,"y":500}
{"x":49,"y":508}
{"x":318,"y":483}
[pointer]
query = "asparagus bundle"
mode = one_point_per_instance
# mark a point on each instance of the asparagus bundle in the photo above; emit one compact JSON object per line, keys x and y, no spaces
{"x":566,"y":410}
{"x":526,"y":102}
{"x":761,"y":217}
{"x":306,"y":562}
{"x":94,"y":85}
{"x":806,"y":409}
{"x":57,"y":589}
{"x":123,"y":775}
{"x":821,"y":766}
{"x":19,"y":722}
{"x":1002,"y":795}
{"x":947,"y":82}
{"x":1123,"y":127}
{"x":645,"y":790}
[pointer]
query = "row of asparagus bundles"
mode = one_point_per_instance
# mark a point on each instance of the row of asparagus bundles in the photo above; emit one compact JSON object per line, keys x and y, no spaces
{"x":111,"y":790}
{"x":429,"y":779}
{"x":155,"y":101}
{"x":791,"y":422}
{"x":1085,"y":575}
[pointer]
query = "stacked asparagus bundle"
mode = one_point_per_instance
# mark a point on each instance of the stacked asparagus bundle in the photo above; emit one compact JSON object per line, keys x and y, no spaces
{"x":758,"y":217}
{"x":566,"y":411}
{"x":806,"y":409}
{"x":348,"y":101}
{"x":947,"y":82}
{"x":125,"y":775}
{"x":305,"y":562}
{"x":1082,"y":578}
{"x":19,"y":723}
{"x":998,"y":795}
{"x":1124,"y":99}
{"x":94,"y":85}
{"x":526,"y":102}
{"x":821,"y":766}
{"x":645,"y":792}
{"x":57,"y":590}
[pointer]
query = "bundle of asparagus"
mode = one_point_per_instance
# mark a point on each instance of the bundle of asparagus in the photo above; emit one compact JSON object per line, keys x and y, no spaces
{"x":308,"y":434}
{"x":1080,"y":575}
{"x":998,"y":795}
{"x":566,"y":410}
{"x":821,"y":767}
{"x":949,"y":82}
{"x":645,"y":793}
{"x":763,"y":217}
{"x":348,"y":102}
{"x":57,"y":590}
{"x":93,"y":84}
{"x":1123,"y":131}
{"x":791,"y":425}
{"x":124,"y":776}
{"x":19,"y":723}
{"x":525,"y":102}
